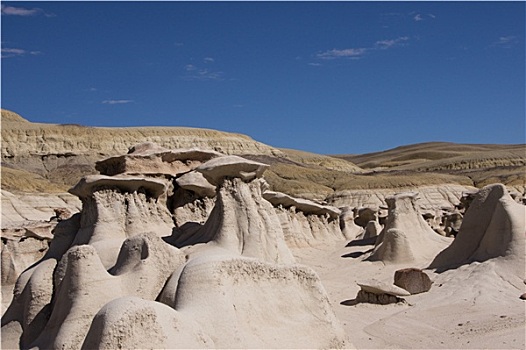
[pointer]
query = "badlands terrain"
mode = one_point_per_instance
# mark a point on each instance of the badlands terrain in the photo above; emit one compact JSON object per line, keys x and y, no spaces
{"x":192,"y":238}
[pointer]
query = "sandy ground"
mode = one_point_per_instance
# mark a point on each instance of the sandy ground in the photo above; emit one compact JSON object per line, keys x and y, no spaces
{"x":471,"y":307}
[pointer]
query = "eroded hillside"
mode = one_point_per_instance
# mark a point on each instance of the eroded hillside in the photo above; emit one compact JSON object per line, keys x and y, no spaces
{"x":51,"y":157}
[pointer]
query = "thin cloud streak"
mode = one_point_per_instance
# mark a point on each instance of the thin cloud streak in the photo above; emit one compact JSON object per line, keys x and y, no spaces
{"x":21,"y":11}
{"x":505,"y":42}
{"x":15,"y":52}
{"x":387,"y":44}
{"x":116,"y":102}
{"x":357,"y":53}
{"x":343,"y":53}
{"x":196,"y":73}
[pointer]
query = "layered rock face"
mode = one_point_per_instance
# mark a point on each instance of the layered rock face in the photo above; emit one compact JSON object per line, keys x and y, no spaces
{"x":306,"y":223}
{"x":431,"y":198}
{"x":112,"y":279}
{"x":21,"y":138}
{"x":406,"y":237}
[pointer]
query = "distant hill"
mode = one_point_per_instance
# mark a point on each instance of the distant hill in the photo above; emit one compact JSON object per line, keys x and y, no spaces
{"x":482,"y":163}
{"x":52,"y":157}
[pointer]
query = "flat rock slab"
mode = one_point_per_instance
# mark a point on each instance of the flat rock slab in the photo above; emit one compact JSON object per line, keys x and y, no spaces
{"x":218,"y":169}
{"x":304,"y":205}
{"x":378,"y":287}
{"x":153,"y":159}
{"x":88,"y":184}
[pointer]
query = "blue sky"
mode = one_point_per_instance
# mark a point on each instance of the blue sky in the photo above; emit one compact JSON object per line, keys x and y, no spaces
{"x":324,"y":77}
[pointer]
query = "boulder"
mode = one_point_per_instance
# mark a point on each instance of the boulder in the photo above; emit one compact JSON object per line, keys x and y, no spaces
{"x":365,"y":215}
{"x":196,"y":182}
{"x":413,"y":280}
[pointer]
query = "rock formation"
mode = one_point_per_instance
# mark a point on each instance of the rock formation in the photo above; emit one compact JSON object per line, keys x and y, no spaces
{"x":376,"y":292}
{"x":305,"y":222}
{"x":111,"y":279}
{"x":406,"y":237}
{"x":151,"y":159}
{"x":413,"y":280}
{"x":431,"y":197}
{"x":493,"y":227}
{"x":347,"y":225}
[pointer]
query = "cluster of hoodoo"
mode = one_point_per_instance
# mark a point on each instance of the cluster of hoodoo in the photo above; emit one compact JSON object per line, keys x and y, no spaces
{"x":124,"y":273}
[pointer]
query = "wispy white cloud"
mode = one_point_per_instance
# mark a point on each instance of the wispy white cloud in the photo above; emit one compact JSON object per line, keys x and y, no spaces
{"x":353,"y":53}
{"x":418,"y":17}
{"x":22,"y":11}
{"x":505,"y":42}
{"x":208,"y":60}
{"x":116,"y":102}
{"x":357,"y":53}
{"x":387,"y":44}
{"x":196,"y":73}
{"x":315,"y":64}
{"x":14,"y":52}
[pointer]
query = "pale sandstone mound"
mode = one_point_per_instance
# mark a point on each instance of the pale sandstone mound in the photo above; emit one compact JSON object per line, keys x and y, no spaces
{"x":406,"y":237}
{"x":82,"y":286}
{"x":493,"y":227}
{"x":135,"y":323}
{"x":248,"y":303}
